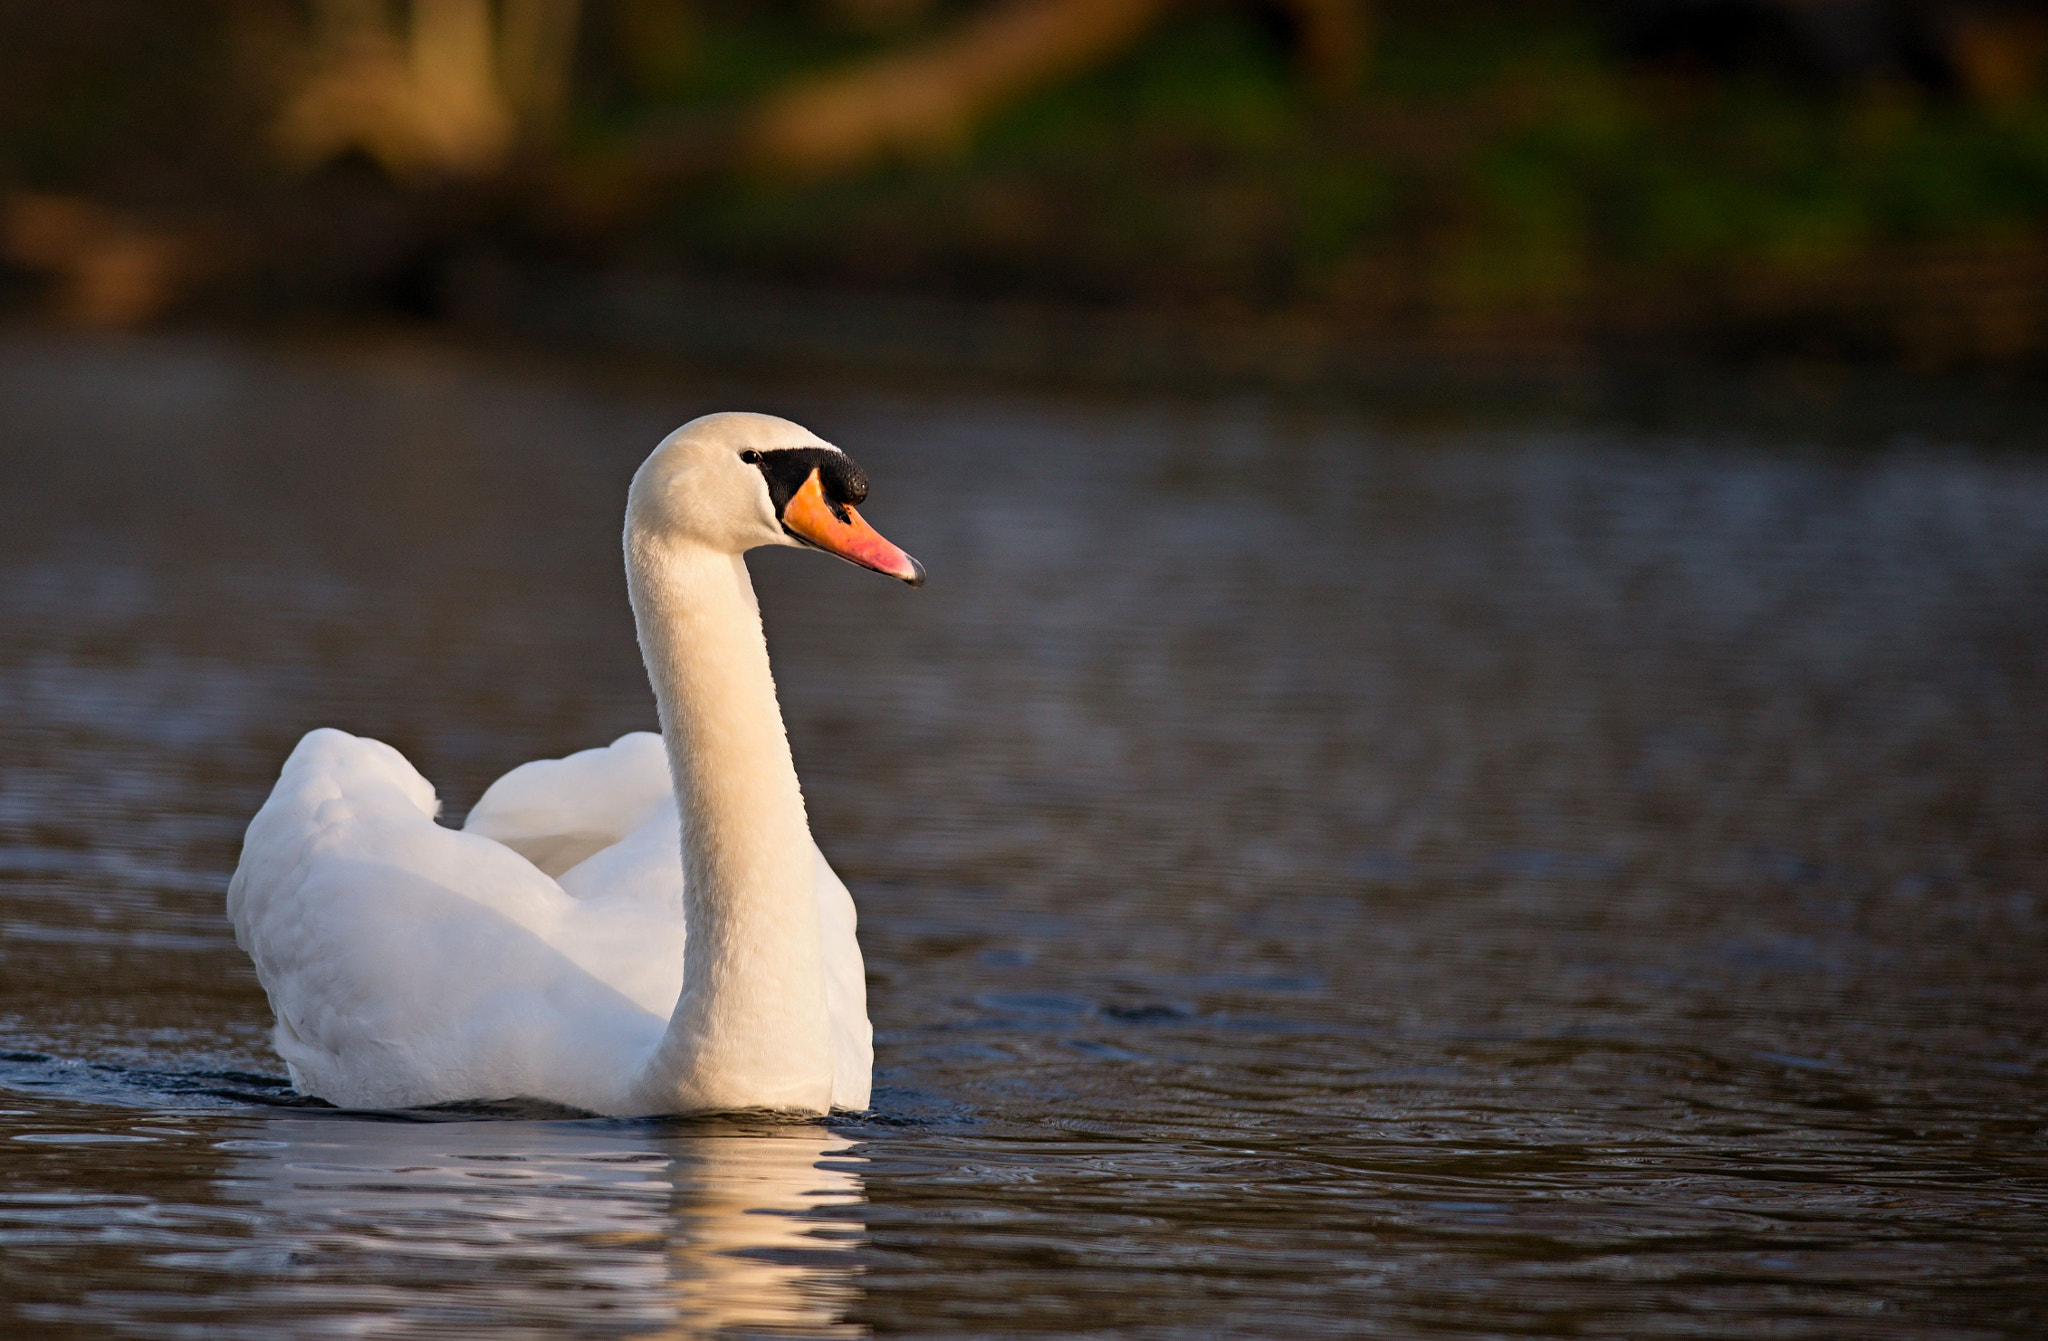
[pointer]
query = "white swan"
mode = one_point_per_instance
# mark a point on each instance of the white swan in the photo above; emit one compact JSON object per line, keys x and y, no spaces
{"x":555,"y":947}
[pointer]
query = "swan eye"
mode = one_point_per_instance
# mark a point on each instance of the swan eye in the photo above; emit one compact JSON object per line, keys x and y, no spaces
{"x":751,"y":457}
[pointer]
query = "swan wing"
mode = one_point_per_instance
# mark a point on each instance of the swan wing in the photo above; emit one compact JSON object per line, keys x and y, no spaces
{"x":409,"y":963}
{"x":558,"y":812}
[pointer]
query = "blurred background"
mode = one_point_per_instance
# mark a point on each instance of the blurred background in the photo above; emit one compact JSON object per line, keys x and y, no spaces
{"x":1274,"y":187}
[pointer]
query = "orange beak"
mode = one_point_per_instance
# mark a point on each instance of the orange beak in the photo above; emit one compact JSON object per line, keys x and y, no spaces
{"x":841,"y":531}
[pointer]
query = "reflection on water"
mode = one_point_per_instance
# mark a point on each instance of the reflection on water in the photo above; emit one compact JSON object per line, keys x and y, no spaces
{"x":348,"y":1226}
{"x":1318,"y":876}
{"x":749,"y":1252}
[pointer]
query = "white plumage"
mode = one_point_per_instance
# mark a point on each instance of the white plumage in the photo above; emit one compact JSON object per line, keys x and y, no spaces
{"x":554,"y":947}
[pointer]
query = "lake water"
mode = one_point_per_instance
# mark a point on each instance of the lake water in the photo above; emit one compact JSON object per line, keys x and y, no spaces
{"x":1320,"y":873}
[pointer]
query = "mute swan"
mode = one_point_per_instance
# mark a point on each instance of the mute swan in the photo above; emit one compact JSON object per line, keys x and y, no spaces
{"x":555,"y":947}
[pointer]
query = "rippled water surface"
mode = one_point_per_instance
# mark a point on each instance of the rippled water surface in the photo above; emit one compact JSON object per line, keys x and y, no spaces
{"x":1320,"y":875}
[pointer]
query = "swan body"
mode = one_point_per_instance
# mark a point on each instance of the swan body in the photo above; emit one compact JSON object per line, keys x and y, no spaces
{"x":643,"y":928}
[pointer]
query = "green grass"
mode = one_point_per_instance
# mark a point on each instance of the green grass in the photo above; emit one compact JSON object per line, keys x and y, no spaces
{"x":1512,"y":162}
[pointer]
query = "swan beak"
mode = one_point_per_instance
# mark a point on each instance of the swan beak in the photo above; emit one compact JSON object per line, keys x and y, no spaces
{"x":839,"y":530}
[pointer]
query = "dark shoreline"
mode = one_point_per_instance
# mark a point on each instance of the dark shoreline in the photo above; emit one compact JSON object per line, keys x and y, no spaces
{"x":651,"y":326}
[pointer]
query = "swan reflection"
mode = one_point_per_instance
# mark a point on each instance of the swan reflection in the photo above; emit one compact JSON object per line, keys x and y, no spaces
{"x":640,"y":1228}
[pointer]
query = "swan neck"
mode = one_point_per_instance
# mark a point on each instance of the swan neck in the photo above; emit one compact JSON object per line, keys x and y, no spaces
{"x":751,"y":1028}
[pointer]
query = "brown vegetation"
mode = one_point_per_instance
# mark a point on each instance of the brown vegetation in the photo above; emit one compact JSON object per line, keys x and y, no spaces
{"x":110,"y":270}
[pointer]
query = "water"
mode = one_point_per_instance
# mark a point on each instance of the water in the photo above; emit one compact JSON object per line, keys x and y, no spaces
{"x":1319,"y":875}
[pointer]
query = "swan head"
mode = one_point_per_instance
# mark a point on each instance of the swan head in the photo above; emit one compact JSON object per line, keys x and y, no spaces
{"x":737,"y":481}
